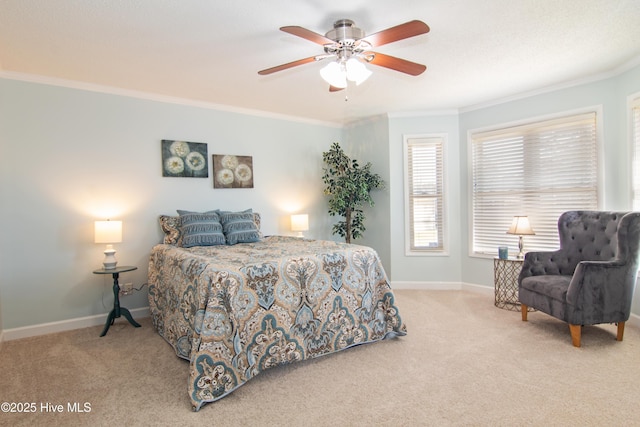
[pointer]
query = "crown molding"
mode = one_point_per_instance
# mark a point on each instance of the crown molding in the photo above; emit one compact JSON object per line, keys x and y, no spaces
{"x":552,"y":88}
{"x":111,"y":90}
{"x":422,"y":113}
{"x":92,"y":87}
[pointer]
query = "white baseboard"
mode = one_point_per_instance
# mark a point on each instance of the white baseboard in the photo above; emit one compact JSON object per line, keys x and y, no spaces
{"x":427,"y":286}
{"x":634,"y":320}
{"x":443,"y":286}
{"x":486,"y":290}
{"x":63,"y":325}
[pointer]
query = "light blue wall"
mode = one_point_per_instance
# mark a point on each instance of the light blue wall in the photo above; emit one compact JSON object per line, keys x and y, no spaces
{"x":70,"y":157}
{"x":442,"y":269}
{"x":368,"y":141}
{"x":611,"y":94}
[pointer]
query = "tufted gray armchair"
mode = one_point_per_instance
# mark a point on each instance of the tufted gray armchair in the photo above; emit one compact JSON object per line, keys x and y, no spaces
{"x":591,"y":278}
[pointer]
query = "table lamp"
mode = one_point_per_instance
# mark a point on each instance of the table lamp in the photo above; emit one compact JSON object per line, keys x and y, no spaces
{"x":108,"y":232}
{"x":300,"y":223}
{"x":520,"y":227}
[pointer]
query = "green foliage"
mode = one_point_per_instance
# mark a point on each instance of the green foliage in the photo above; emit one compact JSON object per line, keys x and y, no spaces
{"x":349,"y":186}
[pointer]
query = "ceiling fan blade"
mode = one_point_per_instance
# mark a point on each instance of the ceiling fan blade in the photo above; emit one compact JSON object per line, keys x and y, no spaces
{"x":399,"y":32}
{"x":396,"y":64}
{"x":335,"y":89}
{"x":287,"y":65}
{"x":307,"y":34}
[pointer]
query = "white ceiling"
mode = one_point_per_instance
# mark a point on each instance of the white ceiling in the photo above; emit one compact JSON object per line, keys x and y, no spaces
{"x":209,"y":51}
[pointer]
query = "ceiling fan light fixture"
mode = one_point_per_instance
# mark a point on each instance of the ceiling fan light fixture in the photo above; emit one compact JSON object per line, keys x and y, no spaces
{"x":356,"y":71}
{"x":334,"y":74}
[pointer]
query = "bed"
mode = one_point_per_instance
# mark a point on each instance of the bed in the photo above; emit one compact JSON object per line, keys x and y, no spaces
{"x":236,"y":310}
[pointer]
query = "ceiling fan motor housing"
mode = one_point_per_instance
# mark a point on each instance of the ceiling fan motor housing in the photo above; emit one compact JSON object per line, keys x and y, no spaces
{"x":345,"y":32}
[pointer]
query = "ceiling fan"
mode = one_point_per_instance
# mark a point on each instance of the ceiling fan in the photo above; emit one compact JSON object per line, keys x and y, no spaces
{"x":351,"y":50}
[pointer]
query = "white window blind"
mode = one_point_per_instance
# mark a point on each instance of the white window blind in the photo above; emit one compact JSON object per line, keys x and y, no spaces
{"x":425,"y":194}
{"x":635,"y":137}
{"x":538,"y":169}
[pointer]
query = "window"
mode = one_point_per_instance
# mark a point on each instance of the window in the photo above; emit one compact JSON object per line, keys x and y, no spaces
{"x":538,"y":169}
{"x":424,"y":194}
{"x":635,"y":140}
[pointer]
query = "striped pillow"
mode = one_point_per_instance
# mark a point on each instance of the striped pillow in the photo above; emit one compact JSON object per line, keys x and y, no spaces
{"x":200,"y":229}
{"x":239,"y":227}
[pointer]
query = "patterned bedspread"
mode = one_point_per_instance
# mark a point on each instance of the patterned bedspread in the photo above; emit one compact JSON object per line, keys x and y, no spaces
{"x":234,"y":311}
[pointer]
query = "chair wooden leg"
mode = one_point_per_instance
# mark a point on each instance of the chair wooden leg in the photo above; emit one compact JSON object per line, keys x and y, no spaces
{"x":576,"y":331}
{"x":524,"y":309}
{"x":620,"y":331}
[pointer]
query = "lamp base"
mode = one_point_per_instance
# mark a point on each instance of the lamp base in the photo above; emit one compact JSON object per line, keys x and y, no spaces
{"x":520,"y":247}
{"x":110,"y":260}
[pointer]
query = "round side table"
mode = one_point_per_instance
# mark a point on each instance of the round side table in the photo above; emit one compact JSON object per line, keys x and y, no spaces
{"x":117,"y":310}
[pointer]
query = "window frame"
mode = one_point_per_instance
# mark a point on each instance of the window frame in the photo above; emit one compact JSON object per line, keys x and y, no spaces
{"x":596,"y":109}
{"x":426,"y":252}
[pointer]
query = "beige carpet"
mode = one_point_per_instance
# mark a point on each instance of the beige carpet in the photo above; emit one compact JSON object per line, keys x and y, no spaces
{"x":464,"y":362}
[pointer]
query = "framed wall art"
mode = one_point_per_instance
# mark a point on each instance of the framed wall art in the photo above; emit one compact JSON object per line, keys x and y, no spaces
{"x":230,"y":171}
{"x":184,"y":159}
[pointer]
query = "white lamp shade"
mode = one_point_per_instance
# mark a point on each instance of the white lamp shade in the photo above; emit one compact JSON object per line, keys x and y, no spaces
{"x":299,"y":222}
{"x":356,"y":71}
{"x":521,"y":226}
{"x":334,"y":74}
{"x":108,"y":232}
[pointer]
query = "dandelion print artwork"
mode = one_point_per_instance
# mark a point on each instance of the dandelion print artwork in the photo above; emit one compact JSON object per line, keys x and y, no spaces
{"x":184,"y":159}
{"x":232,"y":171}
{"x":225,"y":177}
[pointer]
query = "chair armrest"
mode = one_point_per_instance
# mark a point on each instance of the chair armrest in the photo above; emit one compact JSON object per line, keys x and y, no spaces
{"x":595,"y":283}
{"x":540,"y":263}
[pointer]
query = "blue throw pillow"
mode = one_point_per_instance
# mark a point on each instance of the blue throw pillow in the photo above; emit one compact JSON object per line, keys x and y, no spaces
{"x":200,"y":229}
{"x":239,"y":227}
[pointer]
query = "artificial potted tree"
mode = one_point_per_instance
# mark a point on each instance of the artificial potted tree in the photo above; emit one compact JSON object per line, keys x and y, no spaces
{"x":349,"y":187}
